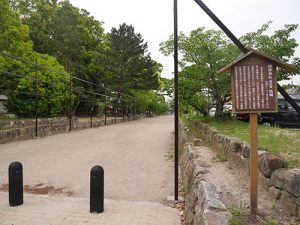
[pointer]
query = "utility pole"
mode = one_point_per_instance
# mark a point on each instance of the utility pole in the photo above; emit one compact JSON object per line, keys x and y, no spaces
{"x":176,"y":97}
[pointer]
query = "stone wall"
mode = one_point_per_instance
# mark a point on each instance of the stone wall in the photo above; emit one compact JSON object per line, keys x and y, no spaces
{"x":203,"y":205}
{"x":25,"y":129}
{"x":283,"y":183}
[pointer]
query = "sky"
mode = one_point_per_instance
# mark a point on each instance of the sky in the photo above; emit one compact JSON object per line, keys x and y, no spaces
{"x":153,"y":19}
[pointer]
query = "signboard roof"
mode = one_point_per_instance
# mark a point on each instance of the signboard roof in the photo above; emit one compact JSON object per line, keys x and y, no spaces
{"x":279,"y":63}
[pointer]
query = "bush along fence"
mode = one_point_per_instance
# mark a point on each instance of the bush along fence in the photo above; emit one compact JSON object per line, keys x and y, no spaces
{"x":25,"y":129}
{"x":281,"y":182}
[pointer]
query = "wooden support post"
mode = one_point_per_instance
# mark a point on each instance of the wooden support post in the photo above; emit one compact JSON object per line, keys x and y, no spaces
{"x":253,"y":163}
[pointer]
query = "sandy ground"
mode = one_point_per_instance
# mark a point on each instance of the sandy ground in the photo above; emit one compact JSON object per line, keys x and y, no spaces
{"x":235,"y":189}
{"x":133,"y":155}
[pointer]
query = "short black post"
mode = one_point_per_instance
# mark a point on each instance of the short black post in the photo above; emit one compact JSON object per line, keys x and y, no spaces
{"x":15,"y":185}
{"x":97,"y":189}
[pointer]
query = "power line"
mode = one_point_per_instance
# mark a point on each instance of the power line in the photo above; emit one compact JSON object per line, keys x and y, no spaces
{"x":16,"y":57}
{"x":18,"y":75}
{"x":63,"y":73}
{"x":103,"y":95}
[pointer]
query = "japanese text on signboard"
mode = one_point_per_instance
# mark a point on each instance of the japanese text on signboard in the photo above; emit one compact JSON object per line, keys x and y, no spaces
{"x":254,"y":87}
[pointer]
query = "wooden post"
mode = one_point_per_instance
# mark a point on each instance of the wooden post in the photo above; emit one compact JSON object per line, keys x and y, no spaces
{"x":253,"y":163}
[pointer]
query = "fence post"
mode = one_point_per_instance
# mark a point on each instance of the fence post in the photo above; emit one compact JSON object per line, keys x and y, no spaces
{"x":105,"y":108}
{"x":92,"y":117}
{"x":97,"y":189}
{"x":15,"y":184}
{"x":70,"y":106}
{"x":115,"y":113}
{"x":36,"y":98}
{"x":123,"y":112}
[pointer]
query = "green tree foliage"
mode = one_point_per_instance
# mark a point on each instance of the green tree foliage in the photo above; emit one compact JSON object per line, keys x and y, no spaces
{"x":70,"y":34}
{"x":63,"y":38}
{"x":166,"y":86}
{"x":279,"y":45}
{"x":204,"y":52}
{"x":14,"y":40}
{"x":129,"y":64}
{"x":149,"y":102}
{"x":50,"y":94}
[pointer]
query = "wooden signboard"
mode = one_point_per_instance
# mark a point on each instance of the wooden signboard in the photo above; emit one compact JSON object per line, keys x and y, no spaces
{"x":254,"y":86}
{"x":254,"y":90}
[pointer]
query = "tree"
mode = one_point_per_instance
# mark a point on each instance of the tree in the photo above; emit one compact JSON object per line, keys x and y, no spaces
{"x":149,"y":102}
{"x":128,"y":63}
{"x":68,"y":33}
{"x":14,"y":40}
{"x":71,"y":35}
{"x":279,"y":45}
{"x":204,"y":52}
{"x":166,"y":86}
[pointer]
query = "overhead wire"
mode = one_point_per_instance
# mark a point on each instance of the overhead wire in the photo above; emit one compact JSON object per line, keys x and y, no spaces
{"x":63,"y":73}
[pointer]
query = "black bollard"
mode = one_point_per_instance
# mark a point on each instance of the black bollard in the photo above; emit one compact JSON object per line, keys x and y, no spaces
{"x":97,"y":189}
{"x":15,"y":184}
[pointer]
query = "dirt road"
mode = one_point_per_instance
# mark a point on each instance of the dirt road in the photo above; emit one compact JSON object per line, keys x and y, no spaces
{"x":134,"y":156}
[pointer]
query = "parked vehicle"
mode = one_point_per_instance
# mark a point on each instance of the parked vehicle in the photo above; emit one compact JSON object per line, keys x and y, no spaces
{"x":287,"y":116}
{"x":212,"y":112}
{"x":243,"y":116}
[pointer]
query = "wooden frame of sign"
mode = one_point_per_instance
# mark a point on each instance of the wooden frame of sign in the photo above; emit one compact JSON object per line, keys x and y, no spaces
{"x":254,"y":82}
{"x":254,"y":86}
{"x":254,"y":90}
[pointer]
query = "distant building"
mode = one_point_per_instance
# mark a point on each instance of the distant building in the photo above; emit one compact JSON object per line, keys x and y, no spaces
{"x":3,"y":101}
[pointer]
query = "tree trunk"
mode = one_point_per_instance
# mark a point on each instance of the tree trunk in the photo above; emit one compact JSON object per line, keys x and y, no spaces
{"x":219,"y":108}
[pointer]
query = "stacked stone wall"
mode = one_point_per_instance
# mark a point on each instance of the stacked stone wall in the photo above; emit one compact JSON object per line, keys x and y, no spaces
{"x":14,"y":130}
{"x":283,"y":183}
{"x":203,"y":204}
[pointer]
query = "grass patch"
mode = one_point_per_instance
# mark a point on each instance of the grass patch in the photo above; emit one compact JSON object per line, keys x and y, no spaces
{"x":270,"y":223}
{"x":222,"y":157}
{"x":281,"y":142}
{"x":238,"y":215}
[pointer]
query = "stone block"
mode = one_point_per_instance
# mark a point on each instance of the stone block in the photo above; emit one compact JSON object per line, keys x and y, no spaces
{"x":298,"y":201}
{"x":235,"y":145}
{"x":289,"y":204}
{"x":267,"y":164}
{"x":245,"y":150}
{"x":264,"y":181}
{"x":198,"y":142}
{"x":209,"y":197}
{"x":275,"y":192}
{"x":226,"y":142}
{"x":288,"y":180}
{"x":209,"y":209}
{"x":213,"y":218}
{"x":219,"y":138}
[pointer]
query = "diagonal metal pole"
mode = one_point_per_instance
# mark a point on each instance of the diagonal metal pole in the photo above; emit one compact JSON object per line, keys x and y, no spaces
{"x":242,"y":48}
{"x":222,"y":26}
{"x":176,"y":98}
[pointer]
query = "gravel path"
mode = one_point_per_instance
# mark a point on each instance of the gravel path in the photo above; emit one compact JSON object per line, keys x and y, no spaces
{"x":134,"y":156}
